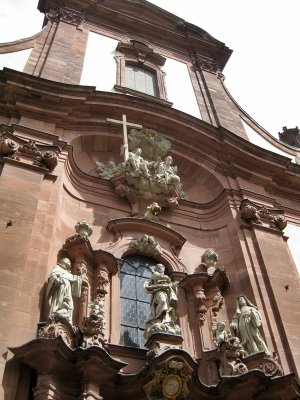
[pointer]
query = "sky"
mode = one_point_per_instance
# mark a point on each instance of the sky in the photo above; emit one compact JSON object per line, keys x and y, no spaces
{"x":262,"y":73}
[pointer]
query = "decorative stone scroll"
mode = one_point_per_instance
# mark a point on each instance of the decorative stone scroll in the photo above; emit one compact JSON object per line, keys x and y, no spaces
{"x":59,"y":326}
{"x":28,"y":152}
{"x":146,"y":245}
{"x":268,"y":364}
{"x":9,"y":148}
{"x":66,"y":15}
{"x":145,"y":173}
{"x":258,"y":214}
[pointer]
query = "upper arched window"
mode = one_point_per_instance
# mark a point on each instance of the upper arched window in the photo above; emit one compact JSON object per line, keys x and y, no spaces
{"x":139,"y":71}
{"x":135,"y":303}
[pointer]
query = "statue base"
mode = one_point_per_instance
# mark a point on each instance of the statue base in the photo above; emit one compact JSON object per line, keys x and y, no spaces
{"x":167,"y":201}
{"x":160,"y":342}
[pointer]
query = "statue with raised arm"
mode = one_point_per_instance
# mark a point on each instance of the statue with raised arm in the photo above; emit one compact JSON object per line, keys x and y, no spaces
{"x":163,"y":306}
{"x":62,"y":286}
{"x":245,"y":324}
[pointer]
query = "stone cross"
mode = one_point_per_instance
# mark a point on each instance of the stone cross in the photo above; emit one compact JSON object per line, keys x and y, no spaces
{"x":125,"y":138}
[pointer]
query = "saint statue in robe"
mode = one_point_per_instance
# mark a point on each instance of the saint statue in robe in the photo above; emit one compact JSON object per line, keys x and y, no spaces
{"x":245,"y":323}
{"x":62,"y":286}
{"x":164,"y":301}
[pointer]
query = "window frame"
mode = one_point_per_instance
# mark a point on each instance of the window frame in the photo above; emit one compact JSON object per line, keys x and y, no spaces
{"x":140,"y":55}
{"x":135,"y":70}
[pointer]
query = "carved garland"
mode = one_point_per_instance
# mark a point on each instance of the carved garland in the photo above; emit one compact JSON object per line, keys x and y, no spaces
{"x":12,"y":150}
{"x":258,"y":214}
{"x":65,"y":15}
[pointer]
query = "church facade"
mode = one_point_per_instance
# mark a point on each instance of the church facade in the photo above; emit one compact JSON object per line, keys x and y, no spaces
{"x":147,"y":242}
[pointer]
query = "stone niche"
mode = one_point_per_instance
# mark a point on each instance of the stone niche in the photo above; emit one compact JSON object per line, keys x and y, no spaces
{"x":198,"y":184}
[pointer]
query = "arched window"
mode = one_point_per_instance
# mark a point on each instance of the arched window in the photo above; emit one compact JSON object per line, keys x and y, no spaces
{"x":139,"y":71}
{"x":135,"y":303}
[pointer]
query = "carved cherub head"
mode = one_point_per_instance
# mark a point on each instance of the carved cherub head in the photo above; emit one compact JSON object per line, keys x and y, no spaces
{"x":209,"y":259}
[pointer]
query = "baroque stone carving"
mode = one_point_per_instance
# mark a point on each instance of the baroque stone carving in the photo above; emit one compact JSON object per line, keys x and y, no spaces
{"x":233,"y":359}
{"x":145,"y":172}
{"x":231,"y":351}
{"x":146,"y":245}
{"x":30,"y":148}
{"x":102,"y":280}
{"x":163,"y":306}
{"x":169,"y":382}
{"x":207,"y":63}
{"x":65,"y":15}
{"x":290,"y":136}
{"x":245,"y":324}
{"x":108,"y":169}
{"x":209,"y":260}
{"x":74,"y":240}
{"x":152,"y":145}
{"x":161,"y":342}
{"x":271,"y":366}
{"x":9,"y":148}
{"x":94,"y":324}
{"x":49,"y":159}
{"x":59,"y":326}
{"x":83,"y":228}
{"x":29,"y":151}
{"x":153,"y":212}
{"x":62,"y":286}
{"x":205,"y":289}
{"x":261,"y":215}
{"x":200,"y":300}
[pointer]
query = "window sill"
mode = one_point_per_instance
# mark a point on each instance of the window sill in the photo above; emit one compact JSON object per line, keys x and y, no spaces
{"x":142,"y":95}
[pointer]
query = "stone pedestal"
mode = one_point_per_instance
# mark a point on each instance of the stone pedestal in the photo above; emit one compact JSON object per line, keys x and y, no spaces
{"x":159,"y":342}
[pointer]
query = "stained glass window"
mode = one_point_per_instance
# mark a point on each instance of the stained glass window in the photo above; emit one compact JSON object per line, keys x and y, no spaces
{"x":135,"y":303}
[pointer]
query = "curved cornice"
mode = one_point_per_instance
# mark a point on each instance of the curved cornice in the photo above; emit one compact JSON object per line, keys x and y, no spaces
{"x":140,"y":16}
{"x":19,"y":45}
{"x":258,"y":128}
{"x":82,"y":109}
{"x":119,"y":225}
{"x":65,"y":357}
